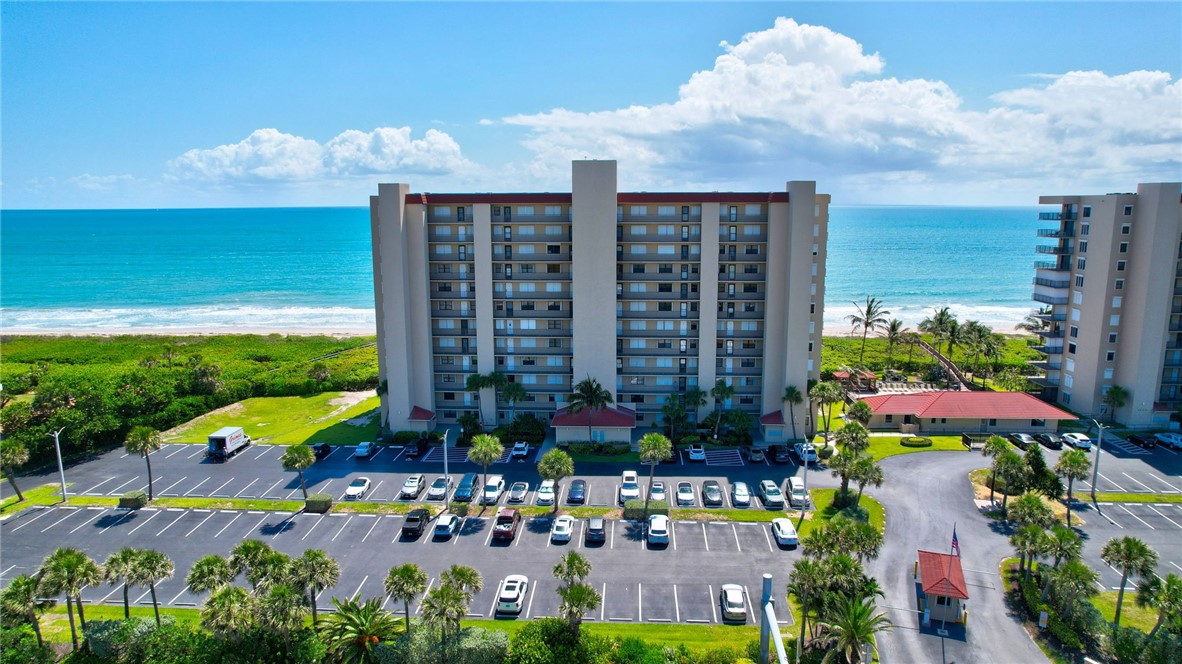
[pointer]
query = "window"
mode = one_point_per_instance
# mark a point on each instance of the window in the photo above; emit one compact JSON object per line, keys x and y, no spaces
{"x":638,"y":269}
{"x":751,"y":229}
{"x":638,"y":211}
{"x":1110,"y":356}
{"x":1037,"y":423}
{"x":1084,"y":229}
{"x":1077,"y":297}
{"x":664,"y":306}
{"x":750,"y":288}
{"x":751,"y":250}
{"x":1114,"y":320}
{"x":527,"y":268}
{"x":665,"y":268}
{"x":1120,"y":266}
{"x":1119,"y":284}
{"x":1124,"y":247}
{"x":1070,"y":364}
{"x":1074,"y":331}
{"x":943,"y":601}
{"x":666,"y":210}
{"x":1087,"y":211}
{"x":1116,"y":301}
{"x":890,"y":418}
{"x":1128,"y":213}
{"x":1075,"y":314}
{"x":1071,"y":347}
{"x":1083,"y":246}
{"x":666,"y":229}
{"x":1108,"y":373}
{"x":442,"y":212}
{"x":553,"y":211}
{"x":638,"y":230}
{"x":733,"y":215}
{"x":1112,"y":337}
{"x":685,"y":213}
{"x":1081,"y":263}
{"x":508,"y":211}
{"x":1079,"y":281}
{"x":751,"y":210}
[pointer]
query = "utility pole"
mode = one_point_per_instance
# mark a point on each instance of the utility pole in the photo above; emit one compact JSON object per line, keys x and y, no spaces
{"x":60,"y":470}
{"x":1096,"y":466}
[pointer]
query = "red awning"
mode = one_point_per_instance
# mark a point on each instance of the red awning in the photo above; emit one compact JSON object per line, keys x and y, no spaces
{"x":418,"y":414}
{"x":772,"y":418}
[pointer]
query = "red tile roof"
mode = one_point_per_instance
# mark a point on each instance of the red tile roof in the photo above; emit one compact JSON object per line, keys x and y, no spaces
{"x":967,"y":405}
{"x":420,"y":414}
{"x":940,"y":574}
{"x":611,"y":416}
{"x":776,"y":417}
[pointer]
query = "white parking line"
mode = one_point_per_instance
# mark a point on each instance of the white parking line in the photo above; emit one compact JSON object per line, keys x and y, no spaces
{"x":6,"y":571}
{"x":146,"y":521}
{"x":166,"y":489}
{"x":256,"y":527}
{"x":530,"y":607}
{"x":736,"y":531}
{"x":704,"y":537}
{"x":116,"y":522}
{"x":69,"y":513}
{"x":215,"y":491}
{"x":376,"y":521}
{"x":346,"y":524}
{"x":122,"y":485}
{"x":1171,"y":562}
{"x":358,"y":591}
{"x":710,"y":599}
{"x":769,"y":539}
{"x":1172,"y":489}
{"x":612,"y":545}
{"x":98,"y":485}
{"x":200,"y":524}
{"x":676,"y":607}
{"x":76,"y":528}
{"x":46,"y":512}
{"x":639,"y":602}
{"x":1118,"y":487}
{"x":264,"y":494}
{"x":200,"y":450}
{"x":312,"y":528}
{"x":228,"y":524}
{"x":750,"y":607}
{"x":194,"y":489}
{"x":182,"y":515}
{"x":179,"y":449}
{"x":603,"y":602}
{"x":266,"y":448}
{"x":1147,"y":487}
{"x":178,"y":595}
{"x":108,"y":596}
{"x":1137,"y":517}
{"x":246,"y":487}
{"x":1164,"y":516}
{"x":673,"y":535}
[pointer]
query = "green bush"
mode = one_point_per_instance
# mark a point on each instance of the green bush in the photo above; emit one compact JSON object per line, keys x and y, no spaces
{"x":1126,"y":644}
{"x":133,"y":500}
{"x":692,"y":439}
{"x":634,"y":509}
{"x":825,"y":453}
{"x":915,"y":441}
{"x":529,"y":428}
{"x":318,"y":503}
{"x":405,"y":437}
{"x":459,"y":509}
{"x":611,"y":448}
{"x":19,"y":644}
{"x":1062,"y":631}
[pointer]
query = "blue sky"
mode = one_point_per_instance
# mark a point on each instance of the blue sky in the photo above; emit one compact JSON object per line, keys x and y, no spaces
{"x":196,"y":105}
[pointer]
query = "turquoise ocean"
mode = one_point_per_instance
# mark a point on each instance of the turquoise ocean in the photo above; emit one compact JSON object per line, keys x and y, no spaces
{"x":309,"y":269}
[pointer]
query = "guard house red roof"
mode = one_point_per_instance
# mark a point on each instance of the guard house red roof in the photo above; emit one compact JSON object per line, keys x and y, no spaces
{"x":418,"y":414}
{"x":772,"y":418}
{"x":967,"y":405}
{"x":611,"y":416}
{"x":940,"y":574}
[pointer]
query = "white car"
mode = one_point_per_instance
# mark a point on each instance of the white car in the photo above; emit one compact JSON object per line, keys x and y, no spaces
{"x":658,"y":529}
{"x":685,"y":493}
{"x":658,"y":491}
{"x":520,"y":449}
{"x":629,"y":486}
{"x":447,"y":525}
{"x":546,"y":493}
{"x":806,"y":452}
{"x":511,"y":597}
{"x":1173,"y":440}
{"x":731,"y":600}
{"x":784,"y":532}
{"x":697,"y":453}
{"x":439,"y":488}
{"x":357,"y":488}
{"x":562,"y":528}
{"x":365,"y":450}
{"x":493,"y":490}
{"x":770,"y":494}
{"x":1078,"y":440}
{"x":413,"y":486}
{"x":740,"y":494}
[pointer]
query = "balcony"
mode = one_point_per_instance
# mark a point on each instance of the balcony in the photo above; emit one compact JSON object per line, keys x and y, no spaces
{"x":656,"y":276}
{"x":657,"y":296}
{"x":1052,"y":283}
{"x":531,"y":313}
{"x":1043,"y":365}
{"x":533,"y":295}
{"x":1048,"y":350}
{"x":1043,"y":381}
{"x":453,"y":295}
{"x":1058,"y":249}
{"x":741,"y":276}
{"x":655,"y":315}
{"x":453,"y":276}
{"x":654,"y":257}
{"x":1056,"y":232}
{"x":1049,"y":216}
{"x":694,"y":237}
{"x":1048,"y":299}
{"x":649,"y":351}
{"x":1050,"y":334}
{"x":545,"y":332}
{"x":1054,"y":317}
{"x":1049,"y":265}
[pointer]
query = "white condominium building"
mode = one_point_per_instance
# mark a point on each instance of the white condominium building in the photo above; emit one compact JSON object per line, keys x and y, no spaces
{"x":649,"y":293}
{"x":1110,"y":293}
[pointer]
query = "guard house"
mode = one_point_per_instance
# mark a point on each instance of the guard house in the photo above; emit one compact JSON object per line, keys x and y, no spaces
{"x":945,"y":592}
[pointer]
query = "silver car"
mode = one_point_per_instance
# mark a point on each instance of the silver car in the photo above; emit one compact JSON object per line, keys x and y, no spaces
{"x":740,"y":494}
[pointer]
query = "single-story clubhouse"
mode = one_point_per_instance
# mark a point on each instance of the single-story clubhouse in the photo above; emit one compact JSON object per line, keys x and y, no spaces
{"x":961,"y":412}
{"x":611,"y":423}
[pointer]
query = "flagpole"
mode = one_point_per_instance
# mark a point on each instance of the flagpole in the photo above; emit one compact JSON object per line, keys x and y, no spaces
{"x":948,"y":579}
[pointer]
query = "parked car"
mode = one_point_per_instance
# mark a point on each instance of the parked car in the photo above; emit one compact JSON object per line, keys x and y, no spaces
{"x":520,"y":449}
{"x":1077,"y":440}
{"x":755,"y":455}
{"x":1172,"y":440}
{"x":518,"y":491}
{"x":1022,"y":441}
{"x":781,"y":454}
{"x":505,"y":527}
{"x":740,"y":494}
{"x":511,"y":597}
{"x":321,"y":450}
{"x":467,"y":488}
{"x":629,"y":486}
{"x":711,"y":493}
{"x":365,"y":450}
{"x":784,"y":532}
{"x":562,"y":528}
{"x":493,"y":489}
{"x":447,"y":525}
{"x":413,"y":486}
{"x":1142,"y":440}
{"x":697,"y":452}
{"x":1051,"y":441}
{"x":357,"y":488}
{"x":770,"y":494}
{"x":577,"y":494}
{"x":685,"y":493}
{"x":546,"y":492}
{"x":658,"y":491}
{"x":732,"y":603}
{"x":805,"y":452}
{"x":415,"y":522}
{"x":439,"y":488}
{"x":658,"y":529}
{"x":596,"y":532}
{"x":416,"y":448}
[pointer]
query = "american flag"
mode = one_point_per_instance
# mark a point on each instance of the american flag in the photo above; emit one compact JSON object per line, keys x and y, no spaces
{"x":955,"y":543}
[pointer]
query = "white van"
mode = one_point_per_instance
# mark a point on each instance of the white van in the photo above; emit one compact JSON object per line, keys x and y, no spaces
{"x":797,"y":495}
{"x":493,"y":489}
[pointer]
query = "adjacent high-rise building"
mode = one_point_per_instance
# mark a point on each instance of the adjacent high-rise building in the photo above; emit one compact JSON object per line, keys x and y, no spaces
{"x":651,"y":294}
{"x":1110,"y":296}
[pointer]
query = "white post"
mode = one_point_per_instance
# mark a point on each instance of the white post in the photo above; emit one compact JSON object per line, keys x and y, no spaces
{"x":1096,"y":466}
{"x":445,"y":473}
{"x":765,"y":629}
{"x":60,"y":470}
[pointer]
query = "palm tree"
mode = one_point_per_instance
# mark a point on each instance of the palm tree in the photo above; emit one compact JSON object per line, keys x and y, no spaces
{"x":807,"y":581}
{"x":577,"y":600}
{"x":282,"y":611}
{"x":1072,"y":466}
{"x":513,"y":393}
{"x":152,"y":567}
{"x":1029,"y":509}
{"x":975,"y":335}
{"x":943,"y":327}
{"x":1165,"y":596}
{"x":912,"y":340}
{"x":673,"y":414}
{"x":297,"y":458}
{"x":893,"y":331}
{"x":273,"y":569}
{"x":993,"y":448}
{"x":860,"y":412}
{"x":853,"y":625}
{"x":722,"y":392}
{"x":869,"y":317}
{"x":694,"y":399}
{"x":842,"y":465}
{"x":230,"y":610}
{"x":315,"y":570}
{"x":1060,"y":544}
{"x":248,"y":555}
{"x":169,"y":354}
{"x":853,"y":437}
{"x":1132,"y":557}
{"x":405,"y":582}
{"x":209,"y":573}
{"x":654,"y":448}
{"x":465,"y":578}
{"x":486,"y":450}
{"x":22,"y":597}
{"x":1031,"y":324}
{"x":68,"y":571}
{"x":1114,"y":398}
{"x":470,"y":424}
{"x":793,"y":398}
{"x":589,"y":396}
{"x":556,"y":465}
{"x":1010,"y":468}
{"x":1028,"y":541}
{"x":825,"y":394}
{"x":353,"y":632}
{"x":572,"y":568}
{"x":120,"y":567}
{"x":474,"y":384}
{"x":143,"y":441}
{"x":444,"y":607}
{"x":866,"y":471}
{"x":1073,"y":581}
{"x":13,"y":454}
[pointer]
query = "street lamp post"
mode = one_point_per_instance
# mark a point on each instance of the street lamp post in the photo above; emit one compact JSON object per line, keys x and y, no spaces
{"x":1096,"y":466}
{"x":60,"y":469}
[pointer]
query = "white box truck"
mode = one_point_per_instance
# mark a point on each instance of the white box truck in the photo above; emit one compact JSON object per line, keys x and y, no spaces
{"x":226,"y":442}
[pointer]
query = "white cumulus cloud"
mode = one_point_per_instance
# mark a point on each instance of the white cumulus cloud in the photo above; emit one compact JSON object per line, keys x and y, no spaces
{"x":100,"y":182}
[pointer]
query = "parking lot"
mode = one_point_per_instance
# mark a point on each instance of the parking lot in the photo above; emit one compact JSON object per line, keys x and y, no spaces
{"x":1157,"y":524}
{"x":1127,"y":468}
{"x":639,"y":582}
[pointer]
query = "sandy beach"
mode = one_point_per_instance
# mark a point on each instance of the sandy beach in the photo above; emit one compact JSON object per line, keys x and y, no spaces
{"x":339,"y":333}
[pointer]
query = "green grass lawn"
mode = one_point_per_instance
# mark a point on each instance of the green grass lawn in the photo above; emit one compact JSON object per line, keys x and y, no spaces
{"x":1131,"y":497}
{"x":695,"y":637}
{"x":627,"y":457}
{"x":41,"y":495}
{"x":288,"y":421}
{"x":55,"y":624}
{"x":882,"y":447}
{"x":1131,"y":615}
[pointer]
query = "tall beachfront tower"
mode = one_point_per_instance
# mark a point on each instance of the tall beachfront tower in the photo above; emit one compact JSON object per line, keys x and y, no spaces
{"x":1110,"y":296}
{"x":649,"y":293}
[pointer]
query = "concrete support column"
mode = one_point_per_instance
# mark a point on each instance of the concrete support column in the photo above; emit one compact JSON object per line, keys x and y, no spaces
{"x":708,"y":300}
{"x":593,"y":272}
{"x":482,"y":251}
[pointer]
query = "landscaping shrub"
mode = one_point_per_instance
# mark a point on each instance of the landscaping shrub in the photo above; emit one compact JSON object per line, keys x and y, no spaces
{"x":19,"y":644}
{"x":693,"y":439}
{"x":1164,"y":648}
{"x":405,"y":437}
{"x":612,"y":448}
{"x":133,"y":500}
{"x":459,"y":509}
{"x":529,"y":428}
{"x":825,"y":453}
{"x":1062,"y":631}
{"x":318,"y":503}
{"x":634,"y":509}
{"x":1126,"y":644}
{"x":915,"y":441}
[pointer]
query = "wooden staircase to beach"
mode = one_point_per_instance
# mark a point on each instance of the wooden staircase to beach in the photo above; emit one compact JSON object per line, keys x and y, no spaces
{"x":954,"y":372}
